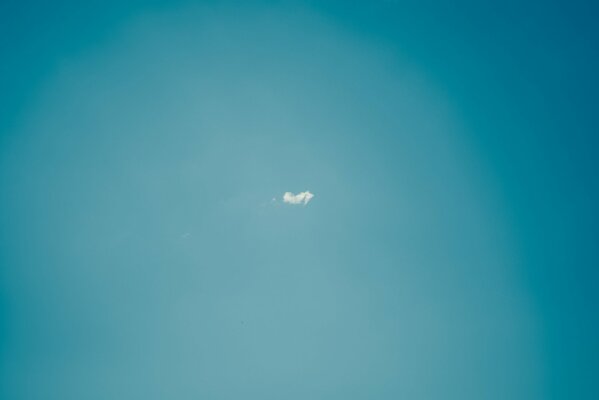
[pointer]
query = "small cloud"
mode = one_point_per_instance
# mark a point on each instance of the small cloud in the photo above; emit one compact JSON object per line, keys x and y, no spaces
{"x":300,"y":198}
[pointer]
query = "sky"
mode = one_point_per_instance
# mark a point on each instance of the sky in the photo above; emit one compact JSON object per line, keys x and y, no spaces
{"x":299,"y":200}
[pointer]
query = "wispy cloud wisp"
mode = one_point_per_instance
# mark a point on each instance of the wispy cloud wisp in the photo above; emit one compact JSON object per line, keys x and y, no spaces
{"x":300,"y":198}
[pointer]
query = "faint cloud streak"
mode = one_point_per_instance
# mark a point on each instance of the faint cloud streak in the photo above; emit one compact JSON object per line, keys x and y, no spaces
{"x":300,"y":198}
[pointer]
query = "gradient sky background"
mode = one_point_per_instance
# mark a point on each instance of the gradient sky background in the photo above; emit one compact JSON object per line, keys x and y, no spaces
{"x":450,"y":251}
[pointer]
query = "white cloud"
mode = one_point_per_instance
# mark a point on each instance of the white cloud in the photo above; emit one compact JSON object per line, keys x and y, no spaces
{"x":300,"y":198}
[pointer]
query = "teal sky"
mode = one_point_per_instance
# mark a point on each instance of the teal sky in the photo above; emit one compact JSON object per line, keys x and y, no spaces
{"x":450,"y":250}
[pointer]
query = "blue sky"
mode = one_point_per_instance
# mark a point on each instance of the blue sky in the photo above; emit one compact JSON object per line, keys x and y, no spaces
{"x":449,"y":249}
